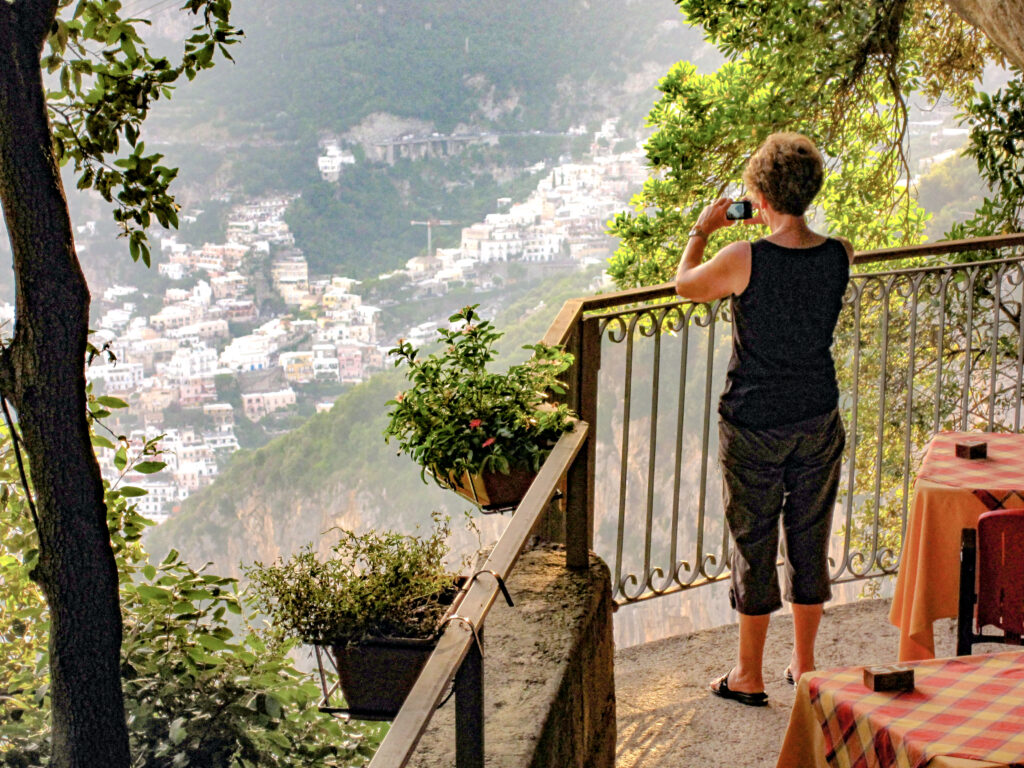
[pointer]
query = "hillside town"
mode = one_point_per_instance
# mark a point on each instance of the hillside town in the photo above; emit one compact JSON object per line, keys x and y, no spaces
{"x":206,"y":365}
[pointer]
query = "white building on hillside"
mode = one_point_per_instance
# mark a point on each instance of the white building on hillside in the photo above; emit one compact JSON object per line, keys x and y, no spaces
{"x":188,"y":362}
{"x":333,"y":161}
{"x":247,"y":353}
{"x":259,"y":404}
{"x":119,"y":378}
{"x":162,"y":497}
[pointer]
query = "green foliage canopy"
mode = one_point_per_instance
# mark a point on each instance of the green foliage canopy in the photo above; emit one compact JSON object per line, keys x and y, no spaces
{"x":839,"y":72}
{"x":105,"y":81}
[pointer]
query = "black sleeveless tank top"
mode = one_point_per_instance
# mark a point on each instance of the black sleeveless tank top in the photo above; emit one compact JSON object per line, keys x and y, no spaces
{"x":782,"y":370}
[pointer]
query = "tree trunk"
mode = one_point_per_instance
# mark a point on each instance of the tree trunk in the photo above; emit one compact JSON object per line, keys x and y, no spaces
{"x":42,"y":374}
{"x":1001,"y":20}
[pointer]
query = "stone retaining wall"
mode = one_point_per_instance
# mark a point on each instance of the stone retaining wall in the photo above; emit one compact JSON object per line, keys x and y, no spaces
{"x":549,"y":691}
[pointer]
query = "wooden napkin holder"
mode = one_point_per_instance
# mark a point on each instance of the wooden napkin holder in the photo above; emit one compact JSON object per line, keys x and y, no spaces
{"x":972,"y":449}
{"x":889,"y":679}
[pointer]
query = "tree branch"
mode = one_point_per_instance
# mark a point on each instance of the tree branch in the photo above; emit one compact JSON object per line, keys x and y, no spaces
{"x":16,"y":442}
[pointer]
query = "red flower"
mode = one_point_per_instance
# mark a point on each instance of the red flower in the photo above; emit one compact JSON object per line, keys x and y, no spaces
{"x":474,"y":423}
{"x":487,"y":442}
{"x":400,"y":397}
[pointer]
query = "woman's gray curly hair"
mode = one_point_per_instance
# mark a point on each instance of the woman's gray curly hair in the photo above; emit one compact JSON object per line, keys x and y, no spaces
{"x":788,"y":170}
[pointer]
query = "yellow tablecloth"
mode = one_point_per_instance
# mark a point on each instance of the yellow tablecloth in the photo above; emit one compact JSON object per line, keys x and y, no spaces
{"x":928,"y":582}
{"x":949,"y":495}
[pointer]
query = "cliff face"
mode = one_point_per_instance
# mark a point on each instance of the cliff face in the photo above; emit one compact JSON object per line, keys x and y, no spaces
{"x":243,"y":519}
{"x":267,"y":505}
{"x":265,"y":527}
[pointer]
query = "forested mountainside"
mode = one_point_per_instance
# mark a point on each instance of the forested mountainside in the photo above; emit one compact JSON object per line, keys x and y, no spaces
{"x":517,"y":76}
{"x":335,"y":470}
{"x":534,"y":64}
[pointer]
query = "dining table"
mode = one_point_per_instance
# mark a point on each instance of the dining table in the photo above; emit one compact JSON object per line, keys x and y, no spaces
{"x":950,"y":494}
{"x":963,"y":712}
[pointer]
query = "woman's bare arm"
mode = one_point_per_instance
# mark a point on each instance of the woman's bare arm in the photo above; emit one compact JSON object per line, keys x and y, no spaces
{"x":728,"y":272}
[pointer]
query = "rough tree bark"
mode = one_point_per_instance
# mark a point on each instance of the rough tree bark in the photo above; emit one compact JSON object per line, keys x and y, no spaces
{"x":1002,"y":21}
{"x":42,"y":373}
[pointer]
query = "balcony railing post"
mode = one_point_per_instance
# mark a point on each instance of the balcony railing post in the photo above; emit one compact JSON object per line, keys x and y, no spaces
{"x":469,"y":708}
{"x":579,"y":504}
{"x":459,"y":652}
{"x":551,"y":525}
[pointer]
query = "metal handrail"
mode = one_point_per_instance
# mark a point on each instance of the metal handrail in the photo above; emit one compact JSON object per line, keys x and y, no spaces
{"x":642,"y":336}
{"x":461,"y":637}
{"x":458,"y":656}
{"x":567,"y":319}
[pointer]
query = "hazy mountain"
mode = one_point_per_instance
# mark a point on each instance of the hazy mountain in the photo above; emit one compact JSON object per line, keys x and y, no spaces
{"x":322,"y":65}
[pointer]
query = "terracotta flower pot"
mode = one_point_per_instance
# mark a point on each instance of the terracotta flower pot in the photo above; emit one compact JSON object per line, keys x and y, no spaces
{"x":492,"y":491}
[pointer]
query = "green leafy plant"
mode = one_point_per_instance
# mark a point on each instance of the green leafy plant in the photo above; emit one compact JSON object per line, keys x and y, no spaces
{"x":202,"y":686}
{"x":383,"y":584}
{"x":459,"y":417}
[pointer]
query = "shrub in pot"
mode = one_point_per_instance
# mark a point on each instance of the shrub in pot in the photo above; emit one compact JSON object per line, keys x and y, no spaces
{"x":377,"y":603}
{"x":482,"y":433}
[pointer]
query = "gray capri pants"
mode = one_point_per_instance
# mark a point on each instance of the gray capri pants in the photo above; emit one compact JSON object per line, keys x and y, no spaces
{"x":790,"y":472}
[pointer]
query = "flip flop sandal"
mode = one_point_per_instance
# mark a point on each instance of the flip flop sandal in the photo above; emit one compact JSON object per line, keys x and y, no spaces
{"x":788,"y":676}
{"x":720,"y":688}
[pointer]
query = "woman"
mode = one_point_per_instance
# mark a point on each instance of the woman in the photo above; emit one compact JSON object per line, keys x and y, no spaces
{"x":780,"y":436}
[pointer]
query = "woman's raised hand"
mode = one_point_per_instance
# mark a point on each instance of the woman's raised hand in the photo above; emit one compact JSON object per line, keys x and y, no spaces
{"x":713,"y":216}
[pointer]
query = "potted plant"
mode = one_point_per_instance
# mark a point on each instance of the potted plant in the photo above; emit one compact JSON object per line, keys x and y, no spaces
{"x":377,"y":604}
{"x":482,"y":433}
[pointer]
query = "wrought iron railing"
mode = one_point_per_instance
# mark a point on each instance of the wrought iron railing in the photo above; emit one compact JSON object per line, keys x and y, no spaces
{"x":921,"y":347}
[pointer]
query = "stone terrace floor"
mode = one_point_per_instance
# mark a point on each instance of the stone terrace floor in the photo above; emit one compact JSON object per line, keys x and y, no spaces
{"x":668,"y":719}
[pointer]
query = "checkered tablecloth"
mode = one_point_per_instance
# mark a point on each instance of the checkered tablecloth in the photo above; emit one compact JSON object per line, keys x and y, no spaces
{"x":969,"y":707}
{"x":999,"y":475}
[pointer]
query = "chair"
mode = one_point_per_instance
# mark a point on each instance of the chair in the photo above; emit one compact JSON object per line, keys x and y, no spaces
{"x":996,"y":552}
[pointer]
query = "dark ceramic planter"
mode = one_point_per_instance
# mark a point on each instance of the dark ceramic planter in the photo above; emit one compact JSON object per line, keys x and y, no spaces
{"x":377,"y":675}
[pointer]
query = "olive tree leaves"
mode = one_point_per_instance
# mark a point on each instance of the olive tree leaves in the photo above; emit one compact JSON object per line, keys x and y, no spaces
{"x":104,"y":80}
{"x":840,"y":72}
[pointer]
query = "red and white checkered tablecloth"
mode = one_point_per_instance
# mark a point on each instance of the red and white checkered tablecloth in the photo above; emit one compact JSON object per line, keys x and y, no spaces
{"x":969,"y":707}
{"x":1001,"y":473}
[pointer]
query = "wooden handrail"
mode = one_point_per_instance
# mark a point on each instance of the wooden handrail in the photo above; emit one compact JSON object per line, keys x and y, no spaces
{"x":558,"y":332}
{"x":989,"y":243}
{"x":458,"y":638}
